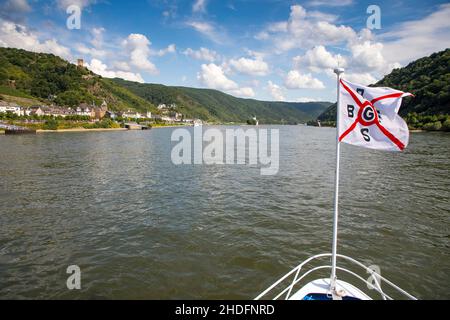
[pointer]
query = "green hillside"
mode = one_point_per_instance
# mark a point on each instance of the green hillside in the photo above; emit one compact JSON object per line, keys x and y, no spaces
{"x":429,"y":80}
{"x":48,"y":78}
{"x":218,"y":106}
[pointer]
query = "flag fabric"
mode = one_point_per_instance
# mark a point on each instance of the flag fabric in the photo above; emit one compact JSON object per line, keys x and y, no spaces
{"x":368,"y":117}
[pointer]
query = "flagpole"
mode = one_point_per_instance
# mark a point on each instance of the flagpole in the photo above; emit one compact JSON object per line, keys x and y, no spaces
{"x":338,"y":72}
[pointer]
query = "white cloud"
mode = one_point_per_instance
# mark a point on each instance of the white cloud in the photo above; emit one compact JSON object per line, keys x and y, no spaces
{"x":244,"y":92}
{"x":263,"y":35}
{"x":213,"y":77}
{"x":97,"y":44}
{"x":414,"y":39}
{"x":199,"y":6}
{"x":367,"y":55}
{"x":202,"y":27}
{"x":207,"y":29}
{"x":97,"y":37}
{"x":18,"y":36}
{"x":170,"y":13}
{"x":296,"y":80}
{"x":255,"y":54}
{"x":364,"y":56}
{"x":278,"y":27}
{"x":274,"y":27}
{"x":321,"y":16}
{"x":275,"y":91}
{"x":331,"y":33}
{"x":122,"y":65}
{"x":340,"y":3}
{"x":361,"y":78}
{"x":64,"y":4}
{"x":202,"y":54}
{"x":306,"y":29}
{"x":170,"y":49}
{"x":17,"y":5}
{"x":139,"y":49}
{"x":253,"y":67}
{"x":14,"y":10}
{"x":319,"y":59}
{"x":100,"y":68}
{"x":367,"y":60}
{"x":94,"y":52}
{"x":364,"y":62}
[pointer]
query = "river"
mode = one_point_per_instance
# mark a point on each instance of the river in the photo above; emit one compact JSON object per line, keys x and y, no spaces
{"x":140,"y":227}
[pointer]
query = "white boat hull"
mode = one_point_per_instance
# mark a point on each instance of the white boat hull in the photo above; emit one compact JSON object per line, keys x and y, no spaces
{"x":320,"y":290}
{"x":286,"y":287}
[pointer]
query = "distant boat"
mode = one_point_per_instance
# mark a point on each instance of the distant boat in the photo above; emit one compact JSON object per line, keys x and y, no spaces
{"x":198,"y":123}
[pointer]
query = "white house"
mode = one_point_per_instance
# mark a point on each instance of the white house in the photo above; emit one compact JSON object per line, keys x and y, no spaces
{"x":168,"y":119}
{"x":83,"y":110}
{"x":35,"y":110}
{"x":11,"y":107}
{"x":3,"y":107}
{"x":131,"y":114}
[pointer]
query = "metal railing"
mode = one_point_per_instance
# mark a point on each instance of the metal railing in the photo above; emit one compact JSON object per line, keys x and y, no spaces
{"x":298,"y":276}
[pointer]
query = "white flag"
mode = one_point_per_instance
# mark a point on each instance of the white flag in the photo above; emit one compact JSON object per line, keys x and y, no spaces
{"x":369,"y":117}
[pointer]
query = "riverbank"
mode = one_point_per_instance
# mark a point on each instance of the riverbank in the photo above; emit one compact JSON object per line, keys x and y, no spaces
{"x":158,"y":126}
{"x":81,"y":130}
{"x":101,"y":129}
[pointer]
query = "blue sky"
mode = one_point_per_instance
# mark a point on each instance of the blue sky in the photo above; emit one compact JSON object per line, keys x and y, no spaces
{"x":262,"y":49}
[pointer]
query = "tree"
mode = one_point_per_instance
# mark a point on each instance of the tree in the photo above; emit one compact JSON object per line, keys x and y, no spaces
{"x":51,"y":124}
{"x":446,"y":125}
{"x":433,"y":126}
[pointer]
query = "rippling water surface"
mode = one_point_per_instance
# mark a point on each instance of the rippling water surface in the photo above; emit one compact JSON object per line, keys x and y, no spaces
{"x":140,"y":227}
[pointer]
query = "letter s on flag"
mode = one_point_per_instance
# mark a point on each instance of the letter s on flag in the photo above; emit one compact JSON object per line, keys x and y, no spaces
{"x":374,"y":122}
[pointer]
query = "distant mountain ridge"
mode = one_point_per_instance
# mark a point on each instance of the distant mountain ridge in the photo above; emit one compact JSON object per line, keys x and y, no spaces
{"x":216,"y":105}
{"x":49,"y":79}
{"x":427,"y":78}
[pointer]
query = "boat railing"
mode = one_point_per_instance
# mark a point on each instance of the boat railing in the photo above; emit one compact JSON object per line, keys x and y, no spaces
{"x":296,"y":275}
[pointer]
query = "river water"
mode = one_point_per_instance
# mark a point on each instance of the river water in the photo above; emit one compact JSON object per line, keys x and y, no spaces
{"x":140,"y":227}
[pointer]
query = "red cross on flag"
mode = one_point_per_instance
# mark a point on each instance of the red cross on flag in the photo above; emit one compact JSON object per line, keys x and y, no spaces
{"x":368,"y":117}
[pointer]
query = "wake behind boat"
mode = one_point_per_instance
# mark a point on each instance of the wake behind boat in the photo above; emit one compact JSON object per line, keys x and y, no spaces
{"x":361,"y":112}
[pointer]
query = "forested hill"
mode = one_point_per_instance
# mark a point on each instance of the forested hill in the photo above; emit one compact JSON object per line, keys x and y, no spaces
{"x":216,"y":105}
{"x":427,"y":78}
{"x":49,"y":79}
{"x":46,"y":78}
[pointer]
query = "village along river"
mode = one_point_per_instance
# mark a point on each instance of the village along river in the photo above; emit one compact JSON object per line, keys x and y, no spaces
{"x":140,"y":227}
